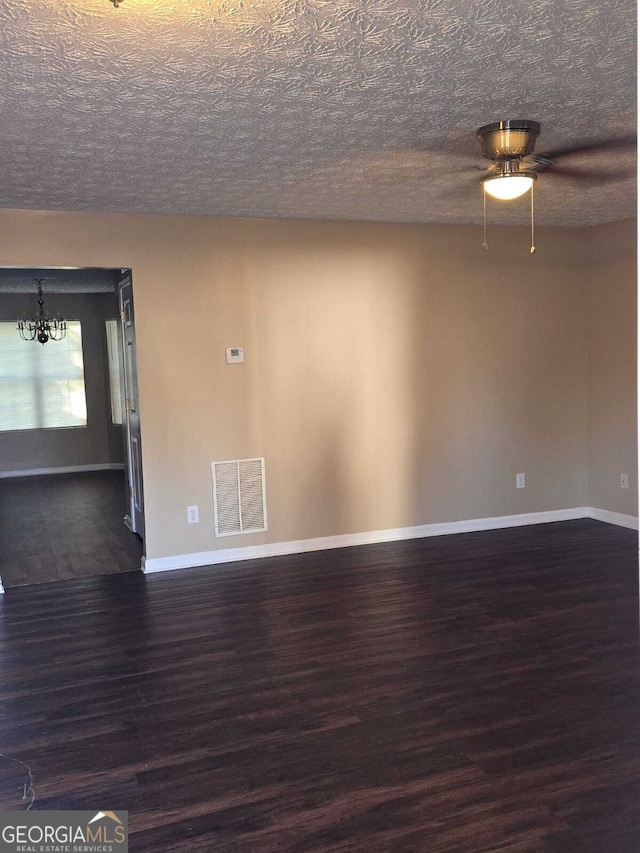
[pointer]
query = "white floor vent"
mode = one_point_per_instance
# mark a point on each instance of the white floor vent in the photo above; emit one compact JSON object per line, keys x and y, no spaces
{"x":239,"y":499}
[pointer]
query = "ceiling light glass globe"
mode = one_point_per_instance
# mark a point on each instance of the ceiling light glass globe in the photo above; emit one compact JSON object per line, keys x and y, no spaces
{"x":507,"y":187}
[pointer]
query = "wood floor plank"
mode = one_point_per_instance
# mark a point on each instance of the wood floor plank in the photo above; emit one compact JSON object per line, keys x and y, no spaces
{"x":468,"y":694}
{"x":64,"y":526}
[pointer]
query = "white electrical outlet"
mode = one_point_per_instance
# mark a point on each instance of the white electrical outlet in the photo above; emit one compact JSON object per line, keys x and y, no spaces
{"x":193,"y":516}
{"x":520,"y":482}
{"x":624,"y":481}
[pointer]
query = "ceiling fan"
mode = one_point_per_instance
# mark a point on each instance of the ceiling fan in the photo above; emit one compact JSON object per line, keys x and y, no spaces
{"x":514,"y":167}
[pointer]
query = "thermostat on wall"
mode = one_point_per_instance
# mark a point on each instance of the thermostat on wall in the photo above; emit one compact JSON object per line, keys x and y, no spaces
{"x":235,"y":355}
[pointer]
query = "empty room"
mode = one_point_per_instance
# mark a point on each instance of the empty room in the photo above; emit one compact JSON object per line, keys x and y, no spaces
{"x":331,"y":545}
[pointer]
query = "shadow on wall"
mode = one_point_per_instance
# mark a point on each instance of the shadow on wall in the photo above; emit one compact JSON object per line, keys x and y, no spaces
{"x":401,"y":392}
{"x":340,"y":443}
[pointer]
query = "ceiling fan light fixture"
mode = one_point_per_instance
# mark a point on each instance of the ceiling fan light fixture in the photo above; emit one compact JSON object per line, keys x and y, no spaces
{"x":508,"y":187}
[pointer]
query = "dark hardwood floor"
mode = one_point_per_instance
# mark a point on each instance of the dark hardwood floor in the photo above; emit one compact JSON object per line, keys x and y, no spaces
{"x":64,"y":526}
{"x":465,"y":694}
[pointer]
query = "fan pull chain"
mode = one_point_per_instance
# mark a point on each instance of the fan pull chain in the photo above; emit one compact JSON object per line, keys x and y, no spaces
{"x":533,"y":232}
{"x":485,"y":245}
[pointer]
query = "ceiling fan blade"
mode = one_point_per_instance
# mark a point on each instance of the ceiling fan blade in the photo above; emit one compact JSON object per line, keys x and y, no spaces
{"x":614,"y":144}
{"x":591,"y":177}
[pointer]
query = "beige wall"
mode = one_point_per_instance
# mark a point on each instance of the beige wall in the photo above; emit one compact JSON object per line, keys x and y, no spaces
{"x":100,"y":441}
{"x":612,"y":286}
{"x":394,"y":375}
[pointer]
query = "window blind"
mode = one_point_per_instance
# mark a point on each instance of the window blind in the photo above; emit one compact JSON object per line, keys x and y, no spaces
{"x":41,"y":387}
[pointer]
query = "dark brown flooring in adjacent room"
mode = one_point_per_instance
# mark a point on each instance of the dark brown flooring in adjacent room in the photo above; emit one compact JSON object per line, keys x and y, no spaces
{"x":463,"y":694}
{"x":64,"y":526}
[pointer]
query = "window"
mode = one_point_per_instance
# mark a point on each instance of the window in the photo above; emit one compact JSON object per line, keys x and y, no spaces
{"x":115,"y":380}
{"x":41,"y":387}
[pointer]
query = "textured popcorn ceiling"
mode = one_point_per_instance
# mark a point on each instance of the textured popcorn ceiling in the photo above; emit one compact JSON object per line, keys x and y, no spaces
{"x":343,"y":109}
{"x":59,"y":280}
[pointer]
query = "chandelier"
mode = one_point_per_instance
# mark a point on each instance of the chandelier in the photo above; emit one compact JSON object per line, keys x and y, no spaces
{"x":42,"y":328}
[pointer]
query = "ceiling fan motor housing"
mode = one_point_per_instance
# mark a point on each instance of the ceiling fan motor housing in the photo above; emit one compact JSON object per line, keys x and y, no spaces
{"x":503,"y":140}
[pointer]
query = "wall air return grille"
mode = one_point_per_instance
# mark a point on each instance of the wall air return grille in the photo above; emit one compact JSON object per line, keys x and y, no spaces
{"x":239,"y":501}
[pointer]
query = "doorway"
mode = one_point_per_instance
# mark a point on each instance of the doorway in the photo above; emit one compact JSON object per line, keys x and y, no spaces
{"x":71,"y":488}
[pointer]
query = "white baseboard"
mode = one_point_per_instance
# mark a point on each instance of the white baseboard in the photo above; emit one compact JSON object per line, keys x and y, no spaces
{"x":70,"y":469}
{"x":301,"y":546}
{"x":618,"y":518}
